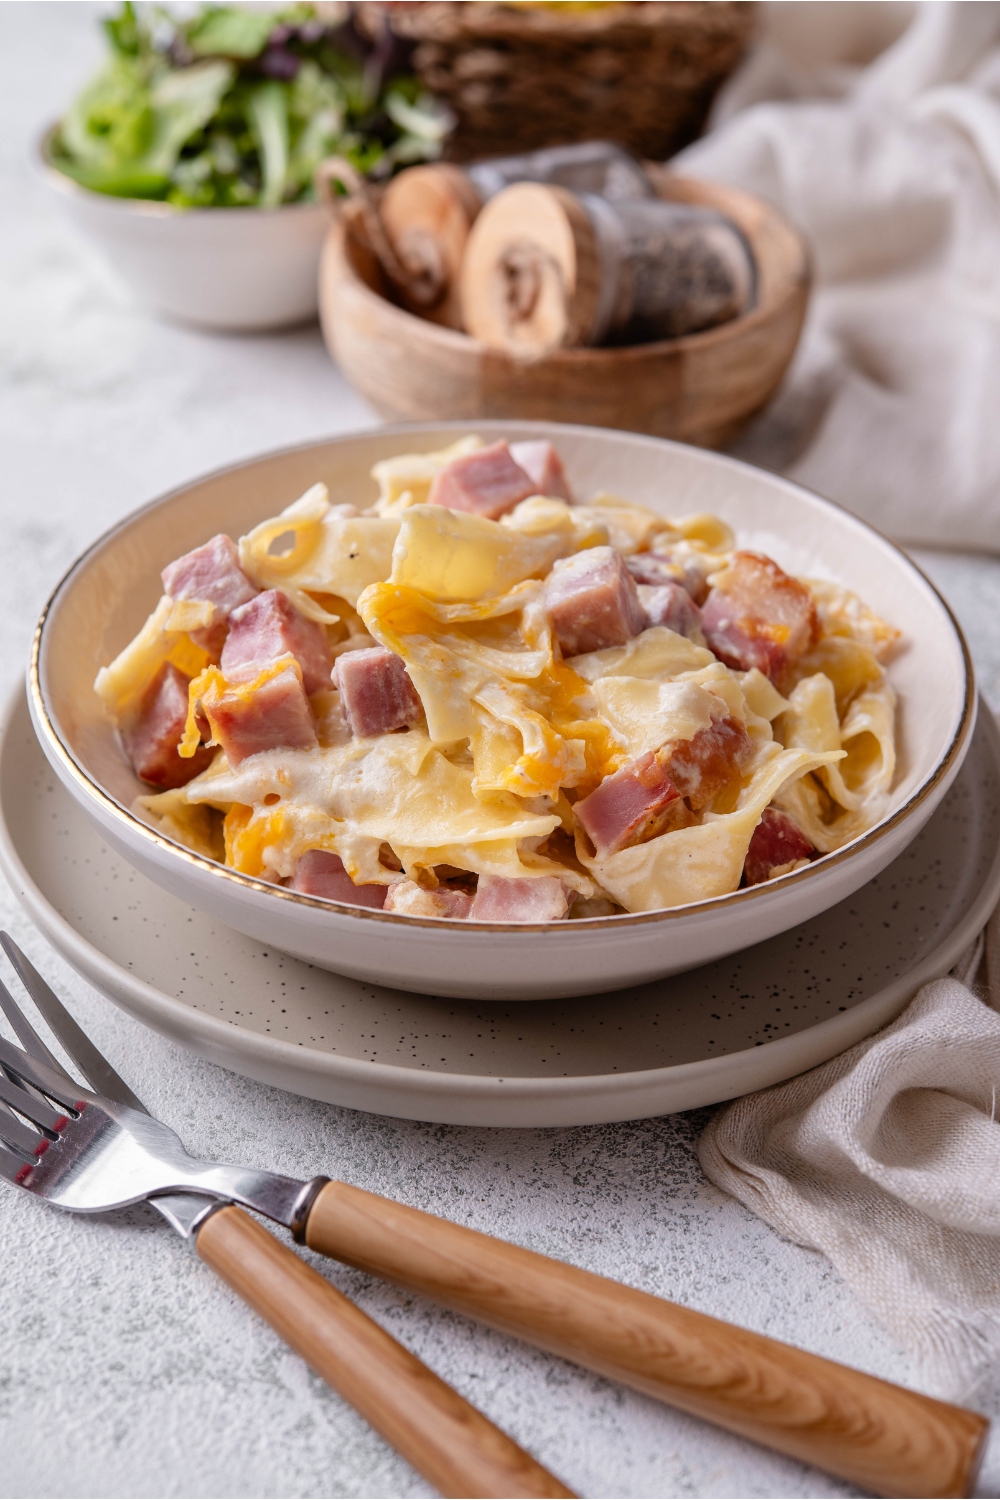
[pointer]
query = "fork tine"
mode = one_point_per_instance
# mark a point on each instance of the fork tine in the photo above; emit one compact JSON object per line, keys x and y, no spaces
{"x":29,"y":1038}
{"x":95,"y":1068}
{"x":36,"y":1073}
{"x":26,"y":1033}
{"x":38,"y":1110}
{"x":18,"y":1138}
{"x":11,"y":1166}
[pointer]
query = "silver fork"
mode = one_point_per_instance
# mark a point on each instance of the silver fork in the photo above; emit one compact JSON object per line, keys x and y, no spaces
{"x":103,"y":1150}
{"x":89,"y":1152}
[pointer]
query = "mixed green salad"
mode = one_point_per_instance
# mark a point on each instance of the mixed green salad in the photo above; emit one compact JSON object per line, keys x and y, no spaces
{"x":232,"y":107}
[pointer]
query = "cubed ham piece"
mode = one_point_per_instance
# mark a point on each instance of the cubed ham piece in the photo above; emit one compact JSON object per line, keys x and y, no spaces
{"x":541,"y":898}
{"x":269,"y":627}
{"x":712,"y":759}
{"x":413,"y":900}
{"x":488,"y":483}
{"x":455,"y":900}
{"x":671,"y":605}
{"x":212,"y":575}
{"x":544,"y":468}
{"x":321,"y":873}
{"x":657,"y":568}
{"x":276,"y":716}
{"x":757,"y":616}
{"x":777,"y":846}
{"x":636,"y":804}
{"x":653,"y":568}
{"x":152,"y":737}
{"x":592,"y":601}
{"x":376,"y":693}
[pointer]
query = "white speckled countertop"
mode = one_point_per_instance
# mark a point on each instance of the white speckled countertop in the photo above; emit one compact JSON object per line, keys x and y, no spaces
{"x":126,"y":1369}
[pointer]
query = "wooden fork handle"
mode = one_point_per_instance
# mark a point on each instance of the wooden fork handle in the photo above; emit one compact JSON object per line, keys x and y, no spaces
{"x":883,"y":1438}
{"x":451,"y":1443}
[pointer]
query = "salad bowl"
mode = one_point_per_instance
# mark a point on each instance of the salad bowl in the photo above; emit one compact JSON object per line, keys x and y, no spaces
{"x":189,"y":155}
{"x":234,"y":270}
{"x":104,"y":598}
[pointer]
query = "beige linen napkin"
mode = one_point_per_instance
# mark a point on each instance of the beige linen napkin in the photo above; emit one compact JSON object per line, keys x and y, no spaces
{"x":892,"y":170}
{"x":887,"y":1159}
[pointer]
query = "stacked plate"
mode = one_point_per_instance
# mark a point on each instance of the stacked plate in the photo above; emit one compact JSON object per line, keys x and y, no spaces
{"x":177,"y":940}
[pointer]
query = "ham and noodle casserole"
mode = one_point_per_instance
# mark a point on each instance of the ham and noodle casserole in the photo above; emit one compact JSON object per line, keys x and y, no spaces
{"x":479,"y":699}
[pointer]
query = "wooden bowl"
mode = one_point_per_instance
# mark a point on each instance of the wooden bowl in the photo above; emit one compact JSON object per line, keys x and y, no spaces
{"x":702,"y":388}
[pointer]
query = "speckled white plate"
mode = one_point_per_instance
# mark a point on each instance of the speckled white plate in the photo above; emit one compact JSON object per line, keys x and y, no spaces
{"x":745,"y":1022}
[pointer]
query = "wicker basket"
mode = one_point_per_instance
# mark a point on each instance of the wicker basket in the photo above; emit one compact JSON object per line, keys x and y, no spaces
{"x":523,"y":76}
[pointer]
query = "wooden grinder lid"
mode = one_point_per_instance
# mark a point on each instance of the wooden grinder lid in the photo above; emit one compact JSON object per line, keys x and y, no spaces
{"x":427,"y":213}
{"x":531,"y":277}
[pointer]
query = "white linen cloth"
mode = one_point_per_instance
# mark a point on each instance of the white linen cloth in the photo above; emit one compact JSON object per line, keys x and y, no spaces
{"x":892,"y":170}
{"x":887,"y":1159}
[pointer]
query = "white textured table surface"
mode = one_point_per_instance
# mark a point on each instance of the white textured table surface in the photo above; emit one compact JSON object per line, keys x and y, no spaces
{"x":125,"y":1367}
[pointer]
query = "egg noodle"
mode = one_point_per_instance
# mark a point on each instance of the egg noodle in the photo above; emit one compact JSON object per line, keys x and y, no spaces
{"x":513,"y":736}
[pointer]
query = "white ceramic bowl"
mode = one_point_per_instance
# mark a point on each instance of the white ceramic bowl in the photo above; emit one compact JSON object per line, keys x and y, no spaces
{"x":105,"y":597}
{"x":239,"y":270}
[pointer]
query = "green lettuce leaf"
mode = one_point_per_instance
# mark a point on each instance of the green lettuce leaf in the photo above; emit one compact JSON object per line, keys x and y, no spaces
{"x":215,"y":132}
{"x":124,"y":31}
{"x":111,"y":120}
{"x":183,"y":103}
{"x":267,"y":116}
{"x":230,"y":32}
{"x":124,"y":135}
{"x":122,"y":182}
